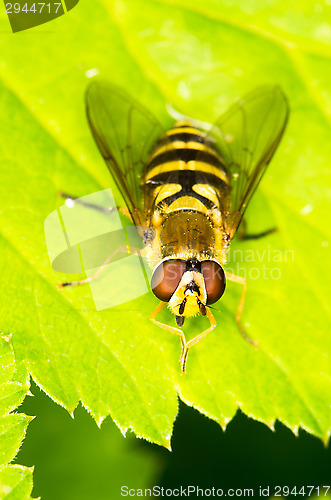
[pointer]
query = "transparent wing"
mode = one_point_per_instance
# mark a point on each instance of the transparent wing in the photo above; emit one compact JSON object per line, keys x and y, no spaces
{"x":125,"y":133}
{"x":247,"y":136}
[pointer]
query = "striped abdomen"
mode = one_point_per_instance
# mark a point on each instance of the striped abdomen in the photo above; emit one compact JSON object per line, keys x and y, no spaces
{"x":185,"y":182}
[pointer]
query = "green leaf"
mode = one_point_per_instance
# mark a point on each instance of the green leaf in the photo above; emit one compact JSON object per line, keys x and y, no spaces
{"x":12,"y":392}
{"x":15,"y":483}
{"x":199,"y":59}
{"x":77,"y":460}
{"x":15,"y":480}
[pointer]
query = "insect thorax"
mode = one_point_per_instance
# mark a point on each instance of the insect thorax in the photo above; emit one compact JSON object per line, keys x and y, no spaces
{"x":188,"y":233}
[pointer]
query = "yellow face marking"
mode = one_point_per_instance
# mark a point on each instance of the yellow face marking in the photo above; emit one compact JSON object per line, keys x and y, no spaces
{"x":173,"y":166}
{"x":191,"y":306}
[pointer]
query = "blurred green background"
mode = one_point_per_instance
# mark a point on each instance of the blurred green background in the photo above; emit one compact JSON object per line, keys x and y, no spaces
{"x":75,"y":460}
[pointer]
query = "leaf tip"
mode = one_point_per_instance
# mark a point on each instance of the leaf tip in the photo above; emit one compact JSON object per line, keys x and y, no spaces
{"x":271,"y":425}
{"x":167,"y":444}
{"x":326,"y":439}
{"x":99,"y":421}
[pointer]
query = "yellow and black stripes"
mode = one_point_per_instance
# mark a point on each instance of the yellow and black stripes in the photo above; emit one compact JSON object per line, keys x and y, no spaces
{"x":186,"y":159}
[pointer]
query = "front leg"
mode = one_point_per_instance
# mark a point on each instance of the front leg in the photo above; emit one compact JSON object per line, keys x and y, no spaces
{"x":197,"y":339}
{"x":171,"y":329}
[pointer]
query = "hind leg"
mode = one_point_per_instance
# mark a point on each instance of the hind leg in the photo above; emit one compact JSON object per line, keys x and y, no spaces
{"x":243,"y":282}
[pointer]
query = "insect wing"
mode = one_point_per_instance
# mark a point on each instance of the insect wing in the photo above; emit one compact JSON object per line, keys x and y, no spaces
{"x":247,"y":136}
{"x":125,"y":133}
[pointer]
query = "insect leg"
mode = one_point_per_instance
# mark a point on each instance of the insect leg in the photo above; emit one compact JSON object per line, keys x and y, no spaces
{"x":78,"y":201}
{"x":242,"y":235}
{"x":241,"y":281}
{"x":171,"y":329}
{"x":101,"y":268}
{"x":259,"y":235}
{"x":93,"y":206}
{"x":197,"y":339}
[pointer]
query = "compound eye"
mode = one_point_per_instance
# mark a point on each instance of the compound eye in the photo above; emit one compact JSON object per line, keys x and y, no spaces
{"x":166,"y":278}
{"x":214,"y":280}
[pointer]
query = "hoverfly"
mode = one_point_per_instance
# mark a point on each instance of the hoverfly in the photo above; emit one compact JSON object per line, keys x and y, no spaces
{"x":186,"y":190}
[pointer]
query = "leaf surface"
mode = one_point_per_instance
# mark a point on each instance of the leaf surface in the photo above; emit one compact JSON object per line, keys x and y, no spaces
{"x":199,"y":59}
